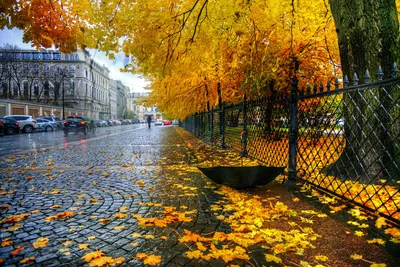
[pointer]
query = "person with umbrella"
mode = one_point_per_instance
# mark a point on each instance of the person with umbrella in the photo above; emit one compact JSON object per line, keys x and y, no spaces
{"x":149,"y":121}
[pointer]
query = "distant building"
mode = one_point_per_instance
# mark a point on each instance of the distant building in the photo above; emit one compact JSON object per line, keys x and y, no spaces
{"x":49,"y":77}
{"x":139,"y":109}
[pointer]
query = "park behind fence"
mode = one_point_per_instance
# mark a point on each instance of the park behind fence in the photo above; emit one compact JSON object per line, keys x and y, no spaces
{"x":345,"y":141}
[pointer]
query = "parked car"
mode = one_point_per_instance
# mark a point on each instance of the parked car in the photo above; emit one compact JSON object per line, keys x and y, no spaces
{"x":79,"y":124}
{"x":100,"y":123}
{"x":26,"y":123}
{"x":110,"y":122}
{"x":55,"y":119}
{"x":10,"y":126}
{"x":167,"y":122}
{"x":46,"y":125}
{"x":158,"y":122}
{"x":2,"y":128}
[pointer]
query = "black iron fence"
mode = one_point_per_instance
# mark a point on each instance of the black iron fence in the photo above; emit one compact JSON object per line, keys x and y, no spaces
{"x":342,"y":140}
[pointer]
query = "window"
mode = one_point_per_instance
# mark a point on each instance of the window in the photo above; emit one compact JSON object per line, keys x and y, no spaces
{"x":36,"y":69}
{"x":15,"y":89}
{"x":86,"y":90}
{"x":76,"y":57}
{"x":72,"y":68}
{"x":56,"y":56}
{"x":72,"y":87}
{"x":26,"y":87}
{"x":36,"y":88}
{"x":46,"y":67}
{"x":57,"y":69}
{"x":66,"y":57}
{"x":26,"y":68}
{"x":46,"y":88}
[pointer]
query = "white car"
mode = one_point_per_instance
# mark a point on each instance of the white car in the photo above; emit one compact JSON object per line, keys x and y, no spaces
{"x":26,"y":123}
{"x":158,"y":123}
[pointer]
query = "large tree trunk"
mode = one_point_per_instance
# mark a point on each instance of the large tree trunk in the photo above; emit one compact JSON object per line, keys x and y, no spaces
{"x":368,"y":35}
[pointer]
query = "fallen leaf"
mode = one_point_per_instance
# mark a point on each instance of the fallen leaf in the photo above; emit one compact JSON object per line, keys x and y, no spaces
{"x":105,"y":220}
{"x":40,"y":242}
{"x":119,"y":228}
{"x":28,"y":260}
{"x":83,"y":246}
{"x":16,"y":251}
{"x":6,"y":242}
{"x":91,"y":238}
{"x":356,"y":256}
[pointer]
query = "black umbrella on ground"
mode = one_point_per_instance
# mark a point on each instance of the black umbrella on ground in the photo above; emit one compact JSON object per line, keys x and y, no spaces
{"x":242,"y":177}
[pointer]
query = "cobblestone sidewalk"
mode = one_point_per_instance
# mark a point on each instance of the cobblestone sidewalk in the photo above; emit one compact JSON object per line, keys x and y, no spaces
{"x":138,"y":193}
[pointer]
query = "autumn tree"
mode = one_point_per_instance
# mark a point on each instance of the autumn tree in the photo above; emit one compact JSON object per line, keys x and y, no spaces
{"x":368,"y":37}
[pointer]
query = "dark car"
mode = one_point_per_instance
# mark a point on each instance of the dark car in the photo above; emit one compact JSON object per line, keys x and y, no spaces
{"x":10,"y":125}
{"x":54,"y":119}
{"x":79,"y":124}
{"x":46,"y":125}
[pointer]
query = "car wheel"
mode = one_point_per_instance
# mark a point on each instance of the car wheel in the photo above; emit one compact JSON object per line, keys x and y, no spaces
{"x":49,"y":129}
{"x":28,"y":129}
{"x":10,"y":131}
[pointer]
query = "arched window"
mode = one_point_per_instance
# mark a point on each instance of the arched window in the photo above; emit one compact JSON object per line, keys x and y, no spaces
{"x":15,"y":88}
{"x":66,"y":57}
{"x":86,"y":94}
{"x":46,"y":67}
{"x":57,"y":69}
{"x":76,"y":57}
{"x":36,"y":69}
{"x":72,"y":68}
{"x":72,"y":87}
{"x":26,"y":68}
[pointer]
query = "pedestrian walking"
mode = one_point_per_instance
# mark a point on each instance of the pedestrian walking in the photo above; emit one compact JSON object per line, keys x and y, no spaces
{"x":149,"y":121}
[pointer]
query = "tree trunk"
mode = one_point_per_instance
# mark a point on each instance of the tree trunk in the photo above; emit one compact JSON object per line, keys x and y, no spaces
{"x":368,"y":36}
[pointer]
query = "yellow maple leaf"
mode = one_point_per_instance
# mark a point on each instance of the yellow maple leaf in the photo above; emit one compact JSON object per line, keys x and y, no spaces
{"x":136,"y":235}
{"x":91,"y":238}
{"x":104,"y":221}
{"x":152,"y":260}
{"x":102,"y":261}
{"x":356,"y":256}
{"x":359,"y":233}
{"x":35,"y":211}
{"x":28,"y":260}
{"x":120,"y":215}
{"x":378,"y":265}
{"x":83,"y":246}
{"x":272,"y":258}
{"x":134,"y":244}
{"x":106,"y":174}
{"x":141,"y":256}
{"x":149,"y":236}
{"x":380,"y":222}
{"x":376,"y":240}
{"x":119,"y":228}
{"x":200,"y":246}
{"x":321,"y":258}
{"x":6,"y":242}
{"x":92,"y":255}
{"x":40,"y":242}
{"x":195,"y":254}
{"x":119,"y":260}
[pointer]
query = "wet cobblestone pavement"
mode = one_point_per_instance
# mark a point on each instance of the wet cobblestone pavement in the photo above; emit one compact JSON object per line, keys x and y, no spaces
{"x":93,"y":195}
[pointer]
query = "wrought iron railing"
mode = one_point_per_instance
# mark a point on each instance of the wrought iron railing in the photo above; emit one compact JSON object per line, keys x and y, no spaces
{"x":342,"y":140}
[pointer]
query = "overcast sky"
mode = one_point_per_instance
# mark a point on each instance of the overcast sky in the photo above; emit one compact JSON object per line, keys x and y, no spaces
{"x":135,"y":83}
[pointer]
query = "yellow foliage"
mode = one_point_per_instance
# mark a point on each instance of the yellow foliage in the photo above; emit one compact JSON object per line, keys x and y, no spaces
{"x":40,"y":242}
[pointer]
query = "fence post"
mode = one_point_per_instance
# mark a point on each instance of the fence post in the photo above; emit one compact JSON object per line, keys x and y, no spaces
{"x":212,"y":125}
{"x":293,"y":130}
{"x":243,"y":134}
{"x":222,"y":116}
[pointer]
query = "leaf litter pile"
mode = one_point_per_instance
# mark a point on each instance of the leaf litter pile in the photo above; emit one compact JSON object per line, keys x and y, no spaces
{"x":267,"y":226}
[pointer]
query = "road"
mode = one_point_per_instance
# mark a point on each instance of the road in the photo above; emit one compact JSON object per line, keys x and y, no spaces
{"x":10,"y":144}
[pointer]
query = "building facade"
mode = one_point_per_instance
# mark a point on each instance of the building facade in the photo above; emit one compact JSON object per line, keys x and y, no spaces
{"x":70,"y":81}
{"x":139,"y":109}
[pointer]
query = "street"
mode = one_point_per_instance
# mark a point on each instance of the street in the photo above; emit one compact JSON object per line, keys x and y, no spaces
{"x":132,"y":196}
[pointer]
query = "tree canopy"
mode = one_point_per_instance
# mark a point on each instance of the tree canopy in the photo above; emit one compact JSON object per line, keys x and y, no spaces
{"x":190,"y":48}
